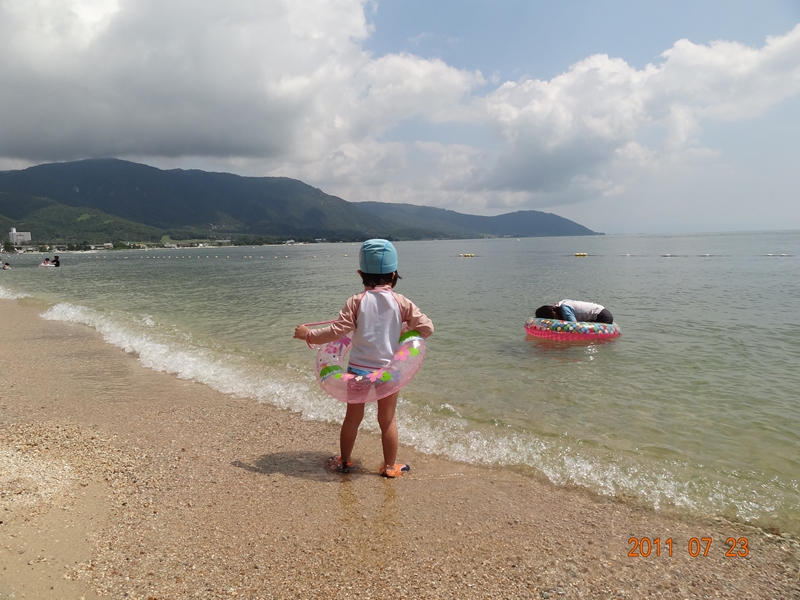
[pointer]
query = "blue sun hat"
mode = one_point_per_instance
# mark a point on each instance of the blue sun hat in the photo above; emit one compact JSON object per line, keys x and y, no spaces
{"x":377,"y":257}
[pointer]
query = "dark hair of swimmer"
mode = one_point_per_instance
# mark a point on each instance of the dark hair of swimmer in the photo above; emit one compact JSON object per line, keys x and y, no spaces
{"x":372,"y":280}
{"x":549,"y":311}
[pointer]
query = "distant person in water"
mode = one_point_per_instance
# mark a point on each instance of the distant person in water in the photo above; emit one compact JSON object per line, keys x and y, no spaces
{"x":56,"y":262}
{"x":575,"y":310}
{"x":46,"y":263}
{"x":6,"y":267}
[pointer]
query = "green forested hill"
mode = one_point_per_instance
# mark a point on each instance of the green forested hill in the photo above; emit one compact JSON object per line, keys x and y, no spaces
{"x":194,"y":202}
{"x":523,"y":223}
{"x":110,"y":197}
{"x":49,"y":220}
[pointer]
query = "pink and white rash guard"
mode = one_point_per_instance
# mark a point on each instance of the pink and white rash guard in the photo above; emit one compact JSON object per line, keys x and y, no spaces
{"x":375,"y":317}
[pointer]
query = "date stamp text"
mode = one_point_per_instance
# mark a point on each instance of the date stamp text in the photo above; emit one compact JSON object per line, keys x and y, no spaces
{"x":696,"y":547}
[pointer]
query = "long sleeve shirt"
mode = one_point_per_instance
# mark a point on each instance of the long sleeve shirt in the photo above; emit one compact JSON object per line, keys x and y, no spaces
{"x":375,"y":318}
{"x":576,"y":310}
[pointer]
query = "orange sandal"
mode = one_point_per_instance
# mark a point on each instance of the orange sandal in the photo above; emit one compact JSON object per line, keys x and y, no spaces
{"x":335,"y":463}
{"x":395,"y":471}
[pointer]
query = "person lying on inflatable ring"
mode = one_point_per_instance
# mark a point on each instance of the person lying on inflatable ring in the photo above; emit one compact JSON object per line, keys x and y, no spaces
{"x":575,"y":310}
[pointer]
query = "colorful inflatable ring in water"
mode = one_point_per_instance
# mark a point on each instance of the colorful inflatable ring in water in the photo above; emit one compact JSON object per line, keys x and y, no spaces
{"x":332,"y":372}
{"x":554,"y":329}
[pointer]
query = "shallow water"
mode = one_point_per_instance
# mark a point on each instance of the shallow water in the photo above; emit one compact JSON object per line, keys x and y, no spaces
{"x":694,"y":407}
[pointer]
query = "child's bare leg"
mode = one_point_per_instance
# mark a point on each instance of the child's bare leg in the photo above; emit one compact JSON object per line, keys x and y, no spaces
{"x":349,"y":431}
{"x":388,"y":425}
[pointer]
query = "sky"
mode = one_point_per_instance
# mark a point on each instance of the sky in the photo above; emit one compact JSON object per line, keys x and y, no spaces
{"x":676,"y":116}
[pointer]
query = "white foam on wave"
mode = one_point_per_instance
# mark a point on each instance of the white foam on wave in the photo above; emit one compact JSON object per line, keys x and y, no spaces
{"x":564,"y":462}
{"x":6,"y":294}
{"x":225,"y":373}
{"x":562,"y":465}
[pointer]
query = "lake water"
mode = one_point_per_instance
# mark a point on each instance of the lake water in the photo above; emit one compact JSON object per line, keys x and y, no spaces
{"x":695,"y":408}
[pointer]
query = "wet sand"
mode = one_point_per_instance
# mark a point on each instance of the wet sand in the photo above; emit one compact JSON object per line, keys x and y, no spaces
{"x":118,"y":481}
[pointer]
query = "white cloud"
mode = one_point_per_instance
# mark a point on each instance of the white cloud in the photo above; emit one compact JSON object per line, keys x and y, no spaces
{"x":275,"y":79}
{"x":587,"y":120}
{"x":36,"y":30}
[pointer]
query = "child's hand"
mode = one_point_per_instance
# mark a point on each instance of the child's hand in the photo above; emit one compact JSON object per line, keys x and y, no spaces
{"x":300,"y":332}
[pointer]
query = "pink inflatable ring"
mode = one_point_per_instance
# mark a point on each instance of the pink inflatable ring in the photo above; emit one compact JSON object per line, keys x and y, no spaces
{"x":333,"y":377}
{"x":554,"y":329}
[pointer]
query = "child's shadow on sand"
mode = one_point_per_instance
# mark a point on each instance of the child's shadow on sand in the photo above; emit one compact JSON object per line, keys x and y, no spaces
{"x":307,"y":465}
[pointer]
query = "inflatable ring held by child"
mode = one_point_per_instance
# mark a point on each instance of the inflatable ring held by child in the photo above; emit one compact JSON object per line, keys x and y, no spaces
{"x":554,"y":329}
{"x":333,"y":377}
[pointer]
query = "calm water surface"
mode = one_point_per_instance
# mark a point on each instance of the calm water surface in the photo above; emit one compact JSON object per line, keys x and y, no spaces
{"x":695,"y":407}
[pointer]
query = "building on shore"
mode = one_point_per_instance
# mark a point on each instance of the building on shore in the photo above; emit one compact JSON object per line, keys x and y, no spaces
{"x":19,"y":238}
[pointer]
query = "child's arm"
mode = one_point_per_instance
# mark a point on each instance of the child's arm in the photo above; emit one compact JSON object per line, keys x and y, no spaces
{"x":414,"y":317}
{"x":336,"y":330}
{"x":300,"y":332}
{"x":569,"y":314}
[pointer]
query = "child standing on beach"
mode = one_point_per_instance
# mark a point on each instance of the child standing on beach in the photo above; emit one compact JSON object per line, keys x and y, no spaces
{"x":375,"y":317}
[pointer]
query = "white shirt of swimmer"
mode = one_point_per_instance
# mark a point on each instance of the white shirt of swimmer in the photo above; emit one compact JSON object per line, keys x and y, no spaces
{"x":582,"y":311}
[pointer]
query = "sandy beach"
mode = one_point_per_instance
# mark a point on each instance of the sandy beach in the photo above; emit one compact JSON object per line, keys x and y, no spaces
{"x":118,"y":481}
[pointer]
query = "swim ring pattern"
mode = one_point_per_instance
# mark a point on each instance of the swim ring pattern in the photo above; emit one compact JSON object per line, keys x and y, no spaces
{"x":332,"y":372}
{"x":568,"y":330}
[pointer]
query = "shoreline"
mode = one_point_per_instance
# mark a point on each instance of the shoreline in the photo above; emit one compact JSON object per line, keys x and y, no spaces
{"x":175,"y":490}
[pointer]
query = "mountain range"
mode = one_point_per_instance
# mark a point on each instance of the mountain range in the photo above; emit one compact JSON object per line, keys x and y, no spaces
{"x":101,"y":200}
